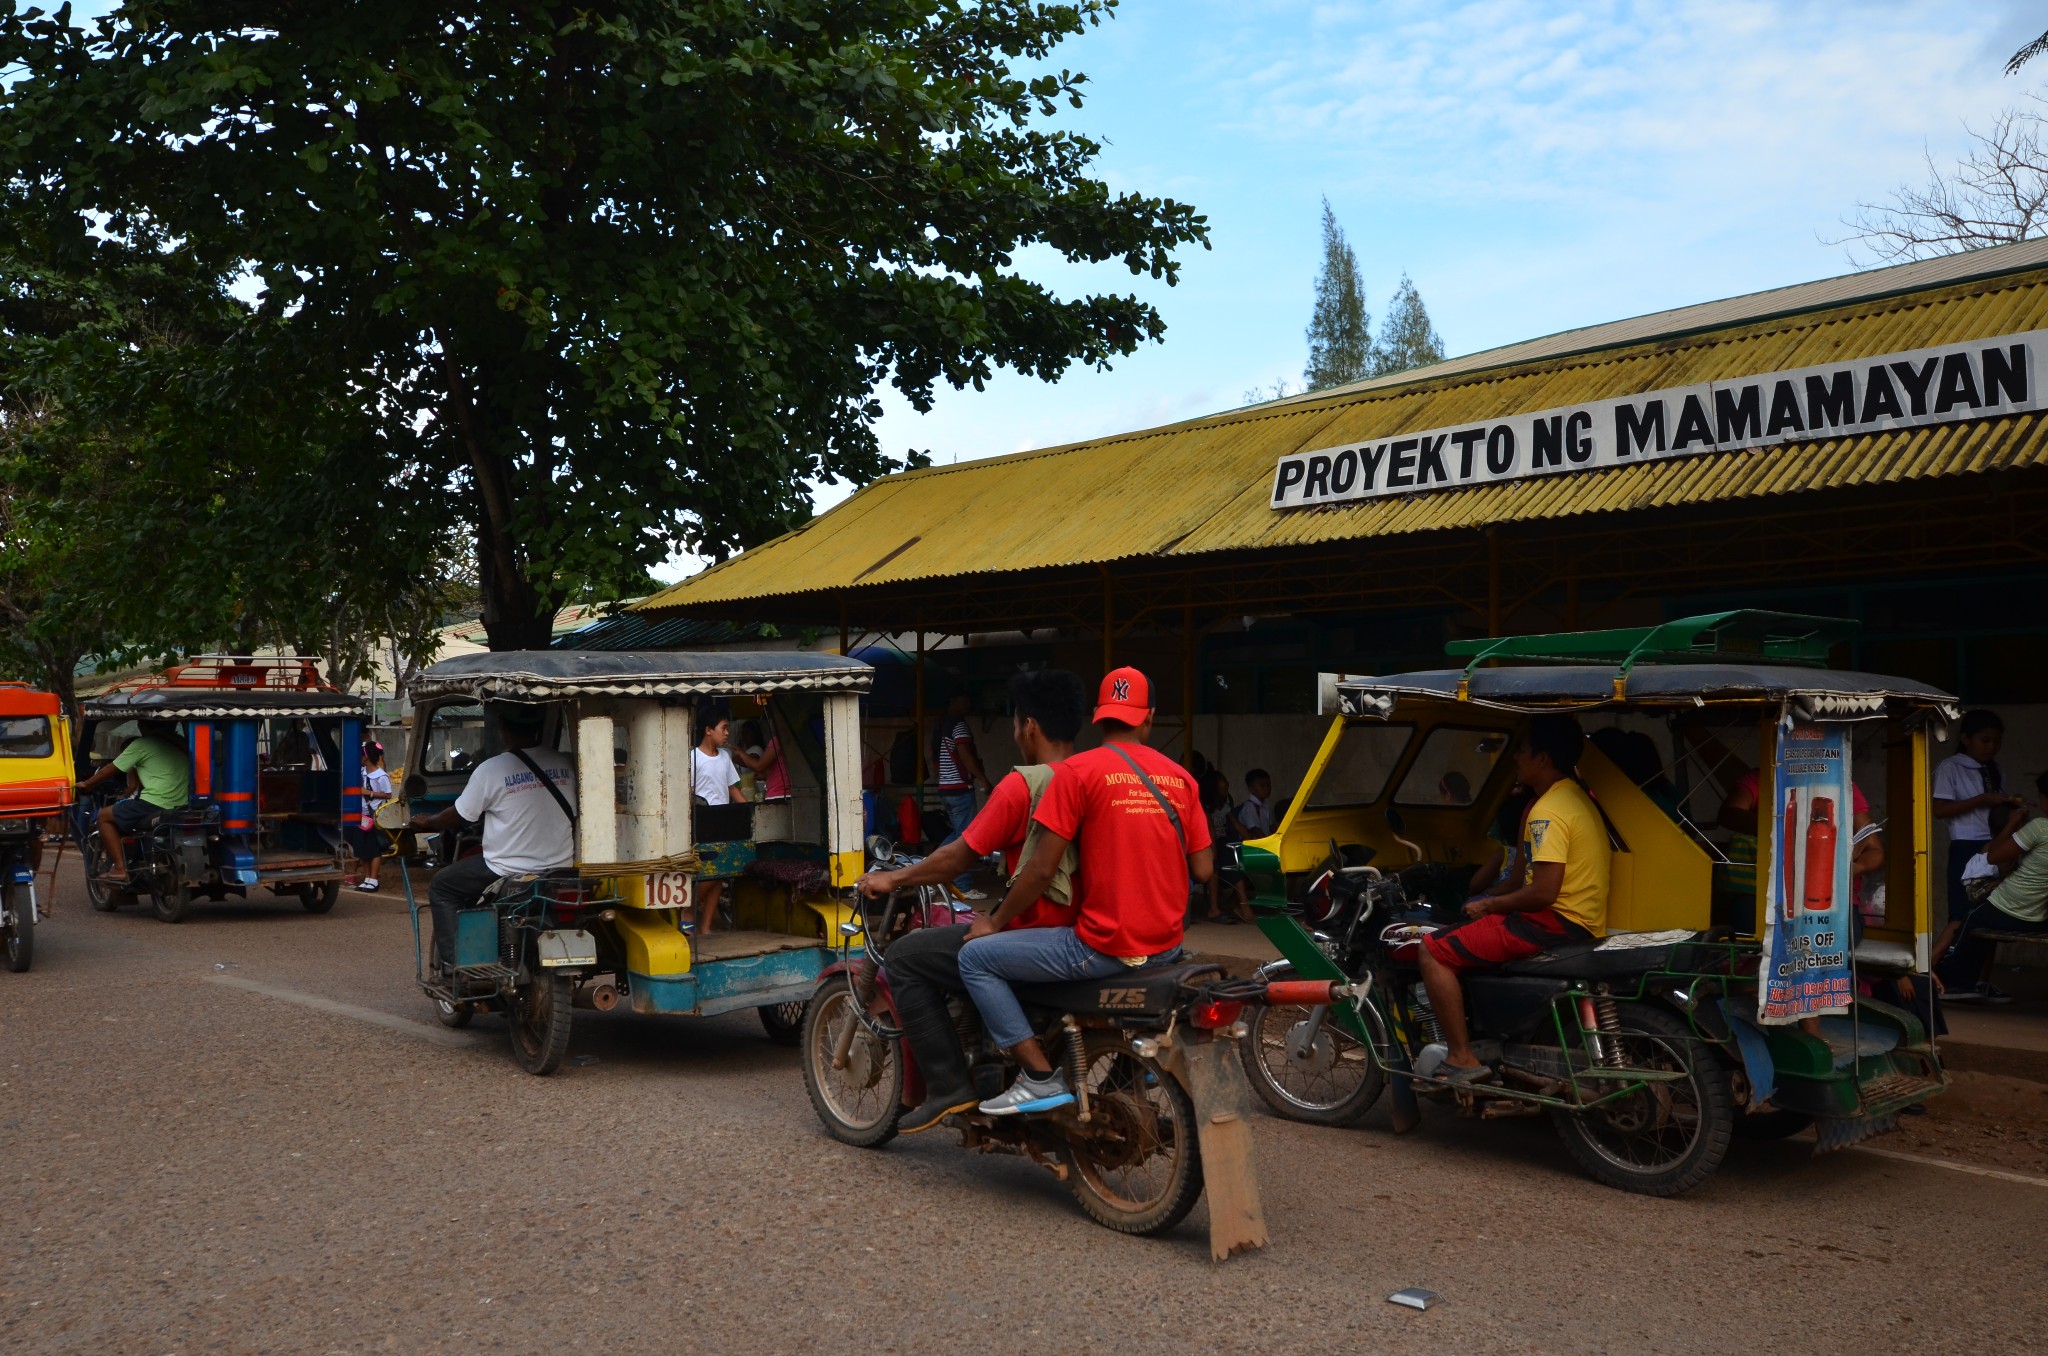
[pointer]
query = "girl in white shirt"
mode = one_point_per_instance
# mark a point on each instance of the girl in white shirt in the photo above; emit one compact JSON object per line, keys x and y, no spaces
{"x":714,"y":781}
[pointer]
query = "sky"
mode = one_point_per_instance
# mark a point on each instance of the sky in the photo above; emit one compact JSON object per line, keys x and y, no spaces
{"x":1534,"y":167}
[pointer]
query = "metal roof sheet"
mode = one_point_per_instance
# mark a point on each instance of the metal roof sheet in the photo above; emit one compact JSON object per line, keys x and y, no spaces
{"x":1204,"y":486}
{"x":540,"y":675}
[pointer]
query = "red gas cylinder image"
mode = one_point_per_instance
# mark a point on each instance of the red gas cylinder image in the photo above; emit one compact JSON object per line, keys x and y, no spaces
{"x":1820,"y":856}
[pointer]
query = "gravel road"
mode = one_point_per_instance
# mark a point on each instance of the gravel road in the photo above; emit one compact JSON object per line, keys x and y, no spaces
{"x":244,"y":1133}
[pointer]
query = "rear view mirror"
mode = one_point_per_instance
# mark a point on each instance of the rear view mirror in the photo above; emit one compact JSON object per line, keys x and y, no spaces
{"x":880,"y":848}
{"x":415,"y":786}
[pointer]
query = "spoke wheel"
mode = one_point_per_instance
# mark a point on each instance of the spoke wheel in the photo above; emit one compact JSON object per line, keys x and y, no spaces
{"x":105,"y":899}
{"x":1137,"y":1166}
{"x":21,"y":933}
{"x":1663,"y":1138}
{"x":1324,"y":1075}
{"x":860,"y":1103}
{"x":169,"y":900}
{"x":784,"y":1022}
{"x":539,"y":1016}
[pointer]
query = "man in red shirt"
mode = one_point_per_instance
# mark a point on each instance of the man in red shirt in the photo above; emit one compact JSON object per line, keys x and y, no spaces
{"x":1135,"y":818}
{"x":1046,"y":712}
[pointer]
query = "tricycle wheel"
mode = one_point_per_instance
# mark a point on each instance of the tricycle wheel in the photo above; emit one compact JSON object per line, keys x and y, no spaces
{"x":859,"y":1103}
{"x":1663,"y":1138}
{"x":320,"y":898}
{"x":1138,"y":1166}
{"x":452,"y":1014}
{"x":1776,"y":1123}
{"x":1332,"y":1079}
{"x":104,"y":898}
{"x":21,"y":933}
{"x":539,"y":1016}
{"x":784,"y":1022}
{"x":169,"y":900}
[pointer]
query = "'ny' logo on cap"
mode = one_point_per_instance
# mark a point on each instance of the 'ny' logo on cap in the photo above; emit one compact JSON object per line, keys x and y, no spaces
{"x":1121,"y":689}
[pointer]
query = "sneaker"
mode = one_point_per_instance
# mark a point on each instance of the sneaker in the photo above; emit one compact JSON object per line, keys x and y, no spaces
{"x":973,"y":894}
{"x":368,"y":887}
{"x":1959,"y":994}
{"x":1031,"y":1094}
{"x":1991,"y":993}
{"x":936,"y":1109}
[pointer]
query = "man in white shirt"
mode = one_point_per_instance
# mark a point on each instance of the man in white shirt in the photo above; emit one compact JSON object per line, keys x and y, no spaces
{"x":527,"y":827}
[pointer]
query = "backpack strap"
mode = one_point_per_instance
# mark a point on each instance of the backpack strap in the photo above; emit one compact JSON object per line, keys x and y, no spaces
{"x":1060,"y":890}
{"x":1157,"y":794}
{"x":546,"y":781}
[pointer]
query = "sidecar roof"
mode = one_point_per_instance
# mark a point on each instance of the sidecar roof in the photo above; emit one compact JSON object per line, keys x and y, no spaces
{"x":544,"y":675}
{"x":219,"y":703}
{"x":1817,"y":694}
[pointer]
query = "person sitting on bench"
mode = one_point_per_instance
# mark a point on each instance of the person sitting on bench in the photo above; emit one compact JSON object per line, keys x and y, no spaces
{"x":2018,"y":904}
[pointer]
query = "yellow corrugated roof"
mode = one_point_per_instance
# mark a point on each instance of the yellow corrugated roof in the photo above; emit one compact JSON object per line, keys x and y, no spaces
{"x":1204,"y":486}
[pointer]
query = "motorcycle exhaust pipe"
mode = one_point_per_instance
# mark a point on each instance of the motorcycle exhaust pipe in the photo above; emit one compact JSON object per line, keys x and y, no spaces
{"x":602,"y":997}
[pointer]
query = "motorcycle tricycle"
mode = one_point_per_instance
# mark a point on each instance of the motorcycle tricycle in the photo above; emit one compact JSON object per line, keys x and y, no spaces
{"x":1160,"y":1107}
{"x":35,"y":786}
{"x":1650,"y":1046}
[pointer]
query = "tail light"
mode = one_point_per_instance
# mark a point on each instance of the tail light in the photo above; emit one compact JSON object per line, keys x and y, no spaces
{"x":1212,"y":1014}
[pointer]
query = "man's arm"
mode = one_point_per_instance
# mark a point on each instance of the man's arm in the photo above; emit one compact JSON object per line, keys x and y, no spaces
{"x":1202,"y":865}
{"x":2005,"y":849}
{"x":441,"y":821}
{"x":948,"y":862}
{"x":1540,"y":893}
{"x":1029,"y":886}
{"x":970,"y":763}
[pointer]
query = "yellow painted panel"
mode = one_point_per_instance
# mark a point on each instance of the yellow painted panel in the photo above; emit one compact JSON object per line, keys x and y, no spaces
{"x":847,"y":868}
{"x":832,"y":913}
{"x":653,"y":946}
{"x":1663,"y":879}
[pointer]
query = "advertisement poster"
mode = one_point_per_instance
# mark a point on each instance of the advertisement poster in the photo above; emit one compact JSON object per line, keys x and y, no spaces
{"x":1810,"y":828}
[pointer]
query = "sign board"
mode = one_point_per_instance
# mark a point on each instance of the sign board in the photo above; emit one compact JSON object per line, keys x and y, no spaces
{"x":1943,"y":385}
{"x":1807,"y":939}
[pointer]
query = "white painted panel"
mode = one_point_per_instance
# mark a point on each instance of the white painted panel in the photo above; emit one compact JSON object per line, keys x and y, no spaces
{"x":676,"y":743}
{"x":596,"y":794}
{"x":641,"y":828}
{"x":842,"y":773}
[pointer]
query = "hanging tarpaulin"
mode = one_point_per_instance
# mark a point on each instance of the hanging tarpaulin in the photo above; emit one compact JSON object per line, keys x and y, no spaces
{"x":1806,"y":939}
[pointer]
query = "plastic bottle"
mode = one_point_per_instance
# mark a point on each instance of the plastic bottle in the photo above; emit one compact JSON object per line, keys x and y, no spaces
{"x":1820,"y":856}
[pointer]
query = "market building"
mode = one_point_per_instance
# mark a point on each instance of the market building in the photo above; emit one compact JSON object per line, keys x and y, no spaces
{"x":1869,"y":446}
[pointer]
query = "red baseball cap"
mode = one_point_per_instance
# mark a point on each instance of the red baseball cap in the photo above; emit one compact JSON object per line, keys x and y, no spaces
{"x":1124,"y":696}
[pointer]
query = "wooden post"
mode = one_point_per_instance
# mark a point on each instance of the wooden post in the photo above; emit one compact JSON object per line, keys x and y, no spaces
{"x":1492,"y":581}
{"x":1571,"y":594}
{"x":1108,"y":621}
{"x":1187,"y":676}
{"x":917,"y":713}
{"x":845,"y":639}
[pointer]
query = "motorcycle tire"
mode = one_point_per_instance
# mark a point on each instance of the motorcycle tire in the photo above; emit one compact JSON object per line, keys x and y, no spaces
{"x":104,"y":899}
{"x":1139,"y":1104}
{"x":169,"y":901}
{"x":1338,"y":1082}
{"x":784,"y":1022}
{"x":861,"y":1103}
{"x":21,"y":933}
{"x":1599,"y":1139}
{"x":320,"y":898}
{"x":539,"y":1016}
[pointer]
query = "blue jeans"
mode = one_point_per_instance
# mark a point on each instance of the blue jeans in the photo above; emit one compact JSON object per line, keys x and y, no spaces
{"x":1030,"y":956}
{"x":959,"y":807}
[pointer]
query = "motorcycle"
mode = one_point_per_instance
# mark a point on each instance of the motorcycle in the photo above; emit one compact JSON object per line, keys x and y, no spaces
{"x":1159,"y":1109}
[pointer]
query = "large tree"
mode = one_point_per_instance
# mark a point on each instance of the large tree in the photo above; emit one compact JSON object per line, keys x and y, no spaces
{"x":1408,"y":339}
{"x":620,"y":277}
{"x":1339,"y":329}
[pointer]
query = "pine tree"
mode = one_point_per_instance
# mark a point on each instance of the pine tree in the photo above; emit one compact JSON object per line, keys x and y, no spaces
{"x":1339,"y":331}
{"x":1407,"y":339}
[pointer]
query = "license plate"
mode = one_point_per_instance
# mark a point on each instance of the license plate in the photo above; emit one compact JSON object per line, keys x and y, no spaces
{"x":567,"y":946}
{"x":668,"y":890}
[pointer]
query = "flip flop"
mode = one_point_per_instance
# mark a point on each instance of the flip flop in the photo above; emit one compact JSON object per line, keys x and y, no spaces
{"x":1460,"y":1076}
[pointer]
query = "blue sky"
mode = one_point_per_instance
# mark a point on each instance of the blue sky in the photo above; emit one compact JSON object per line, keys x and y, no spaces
{"x":1533,"y":166}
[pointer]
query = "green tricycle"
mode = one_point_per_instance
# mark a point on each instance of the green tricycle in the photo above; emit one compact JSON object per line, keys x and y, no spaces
{"x":1712,"y":1006}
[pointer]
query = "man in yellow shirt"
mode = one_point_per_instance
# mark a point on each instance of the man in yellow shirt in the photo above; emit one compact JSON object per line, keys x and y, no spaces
{"x":1559,"y":896}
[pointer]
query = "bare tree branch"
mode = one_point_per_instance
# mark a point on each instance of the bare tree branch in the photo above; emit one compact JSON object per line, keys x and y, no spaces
{"x":1996,"y":194}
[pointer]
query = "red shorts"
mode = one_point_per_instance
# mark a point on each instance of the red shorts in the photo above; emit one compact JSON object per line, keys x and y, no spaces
{"x":1492,"y":941}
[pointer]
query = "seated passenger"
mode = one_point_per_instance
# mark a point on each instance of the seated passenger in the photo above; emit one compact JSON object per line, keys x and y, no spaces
{"x":1559,"y":897}
{"x":528,"y":824}
{"x":1133,"y":816}
{"x":156,"y":762}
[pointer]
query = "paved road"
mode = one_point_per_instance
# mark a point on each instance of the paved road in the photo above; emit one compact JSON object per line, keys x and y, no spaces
{"x":287,"y":1156}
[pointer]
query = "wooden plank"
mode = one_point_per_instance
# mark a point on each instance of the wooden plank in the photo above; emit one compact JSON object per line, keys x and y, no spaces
{"x":1210,"y":1071}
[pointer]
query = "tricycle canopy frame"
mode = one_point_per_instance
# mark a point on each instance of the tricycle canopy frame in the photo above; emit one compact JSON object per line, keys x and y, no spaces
{"x":550,"y":675}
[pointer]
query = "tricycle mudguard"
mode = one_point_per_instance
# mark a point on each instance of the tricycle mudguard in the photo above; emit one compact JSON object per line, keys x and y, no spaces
{"x":1210,"y":1071}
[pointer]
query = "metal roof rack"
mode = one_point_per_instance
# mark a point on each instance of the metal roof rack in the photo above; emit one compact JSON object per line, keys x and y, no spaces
{"x":1745,"y":635}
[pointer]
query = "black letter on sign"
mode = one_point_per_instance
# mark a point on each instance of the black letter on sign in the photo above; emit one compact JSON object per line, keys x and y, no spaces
{"x":1546,"y":442}
{"x":1633,"y":427}
{"x":2005,"y":375}
{"x":1344,"y":471}
{"x":1401,"y":464}
{"x":1831,"y":401}
{"x":1317,"y":486}
{"x":1880,"y":398}
{"x":1290,"y":476}
{"x":1500,"y":450}
{"x":1369,"y":459}
{"x":1739,"y":416}
{"x":1958,"y":385}
{"x":1692,"y":425}
{"x":1916,"y":380}
{"x":1463,"y":440}
{"x":1432,"y":461}
{"x":1784,"y":411}
{"x":1578,"y":436}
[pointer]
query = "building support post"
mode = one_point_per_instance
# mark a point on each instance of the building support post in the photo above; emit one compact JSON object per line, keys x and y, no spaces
{"x":1187,"y":676}
{"x":1108,"y":621}
{"x":1571,"y":594}
{"x":917,"y":715}
{"x":845,"y":638}
{"x":1492,"y":581}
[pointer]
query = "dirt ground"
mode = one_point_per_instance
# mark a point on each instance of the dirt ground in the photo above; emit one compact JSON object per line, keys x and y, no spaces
{"x":1983,"y":1118}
